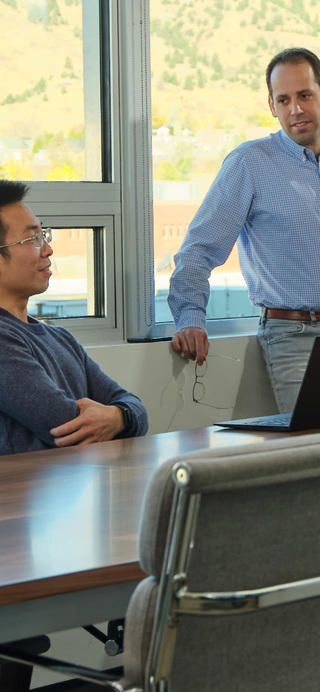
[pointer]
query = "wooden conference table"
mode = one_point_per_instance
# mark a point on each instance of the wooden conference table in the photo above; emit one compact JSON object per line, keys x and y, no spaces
{"x":68,"y":527}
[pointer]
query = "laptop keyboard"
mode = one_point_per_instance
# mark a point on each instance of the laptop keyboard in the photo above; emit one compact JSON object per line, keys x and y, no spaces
{"x":277,"y":419}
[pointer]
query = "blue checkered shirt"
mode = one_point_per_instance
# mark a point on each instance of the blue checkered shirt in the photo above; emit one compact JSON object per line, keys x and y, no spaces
{"x":266,"y":198}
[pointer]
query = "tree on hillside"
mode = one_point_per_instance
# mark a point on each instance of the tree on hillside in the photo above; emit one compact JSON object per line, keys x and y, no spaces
{"x":217,"y":67}
{"x":11,"y":3}
{"x":48,"y":13}
{"x":170,"y":77}
{"x":53,"y":14}
{"x":189,"y":83}
{"x":201,"y":79}
{"x":35,"y":14}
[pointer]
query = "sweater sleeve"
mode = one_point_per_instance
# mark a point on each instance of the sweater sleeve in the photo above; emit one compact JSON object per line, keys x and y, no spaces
{"x":43,"y":376}
{"x":106,"y":391}
{"x":28,"y":392}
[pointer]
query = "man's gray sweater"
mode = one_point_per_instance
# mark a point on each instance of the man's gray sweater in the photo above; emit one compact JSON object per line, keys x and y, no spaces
{"x":43,"y":371}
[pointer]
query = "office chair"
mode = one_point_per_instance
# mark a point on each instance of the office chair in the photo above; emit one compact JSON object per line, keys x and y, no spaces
{"x":229,"y":539}
{"x":16,"y":674}
{"x":16,"y":677}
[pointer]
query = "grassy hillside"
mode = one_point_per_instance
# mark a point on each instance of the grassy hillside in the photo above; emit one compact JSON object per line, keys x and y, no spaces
{"x":208,"y":60}
{"x":40,"y":67}
{"x":209,"y":57}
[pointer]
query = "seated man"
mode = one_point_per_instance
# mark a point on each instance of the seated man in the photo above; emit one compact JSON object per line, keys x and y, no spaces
{"x":51,"y":392}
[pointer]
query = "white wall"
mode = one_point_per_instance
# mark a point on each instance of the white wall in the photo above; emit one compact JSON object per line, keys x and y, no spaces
{"x":235,"y":381}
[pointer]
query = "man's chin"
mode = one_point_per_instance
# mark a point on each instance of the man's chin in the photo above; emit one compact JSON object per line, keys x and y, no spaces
{"x":38,"y":291}
{"x":303,"y":138}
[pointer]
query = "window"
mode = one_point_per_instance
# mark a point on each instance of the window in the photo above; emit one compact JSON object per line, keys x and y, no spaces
{"x":208,"y":64}
{"x":49,"y":127}
{"x":109,"y":157}
{"x":60,"y":134}
{"x":77,"y":287}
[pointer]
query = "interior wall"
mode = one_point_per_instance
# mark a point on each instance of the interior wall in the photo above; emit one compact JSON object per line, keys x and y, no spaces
{"x":232,"y":384}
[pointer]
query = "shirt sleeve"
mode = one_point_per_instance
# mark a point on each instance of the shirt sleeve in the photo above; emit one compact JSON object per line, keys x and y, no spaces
{"x":209,"y":240}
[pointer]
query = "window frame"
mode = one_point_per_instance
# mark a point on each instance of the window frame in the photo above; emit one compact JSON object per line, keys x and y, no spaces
{"x":94,"y":204}
{"x":136,"y":156}
{"x":122,"y":206}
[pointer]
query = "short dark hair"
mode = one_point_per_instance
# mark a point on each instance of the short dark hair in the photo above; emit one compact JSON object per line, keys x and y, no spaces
{"x":11,"y":191}
{"x":293,"y":56}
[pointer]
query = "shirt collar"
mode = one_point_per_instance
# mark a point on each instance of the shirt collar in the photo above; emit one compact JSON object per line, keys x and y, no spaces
{"x":297,"y":150}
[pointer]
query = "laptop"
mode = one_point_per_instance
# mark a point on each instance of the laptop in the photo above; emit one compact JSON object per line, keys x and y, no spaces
{"x":306,"y":413}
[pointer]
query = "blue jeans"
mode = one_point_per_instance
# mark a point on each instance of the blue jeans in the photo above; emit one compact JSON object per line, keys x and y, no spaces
{"x":286,"y":346}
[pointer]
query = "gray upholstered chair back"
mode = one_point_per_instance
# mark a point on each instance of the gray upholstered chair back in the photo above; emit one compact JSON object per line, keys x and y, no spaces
{"x":252,"y":517}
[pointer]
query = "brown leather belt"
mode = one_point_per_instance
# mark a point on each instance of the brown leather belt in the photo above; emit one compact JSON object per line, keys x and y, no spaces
{"x":299,"y":315}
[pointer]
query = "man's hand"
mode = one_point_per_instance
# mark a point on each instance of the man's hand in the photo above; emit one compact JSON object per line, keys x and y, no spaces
{"x":95,"y":423}
{"x":192,"y":342}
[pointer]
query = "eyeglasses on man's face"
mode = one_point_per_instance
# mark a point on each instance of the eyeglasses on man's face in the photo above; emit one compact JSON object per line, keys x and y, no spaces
{"x":38,"y":239}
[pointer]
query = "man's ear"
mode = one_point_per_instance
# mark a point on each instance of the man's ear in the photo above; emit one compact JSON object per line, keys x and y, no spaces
{"x":271,"y":106}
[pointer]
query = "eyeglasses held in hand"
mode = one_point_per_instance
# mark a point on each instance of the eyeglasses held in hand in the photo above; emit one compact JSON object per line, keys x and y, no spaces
{"x":38,"y":239}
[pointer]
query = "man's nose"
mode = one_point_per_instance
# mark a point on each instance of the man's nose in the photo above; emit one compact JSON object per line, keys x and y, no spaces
{"x":296,"y":107}
{"x":46,"y":249}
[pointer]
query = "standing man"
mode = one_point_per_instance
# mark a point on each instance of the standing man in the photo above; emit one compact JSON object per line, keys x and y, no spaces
{"x":267,"y":198}
{"x":51,"y":392}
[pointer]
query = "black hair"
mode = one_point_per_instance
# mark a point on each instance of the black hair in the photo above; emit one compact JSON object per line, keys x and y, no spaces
{"x":11,"y":191}
{"x":293,"y":56}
